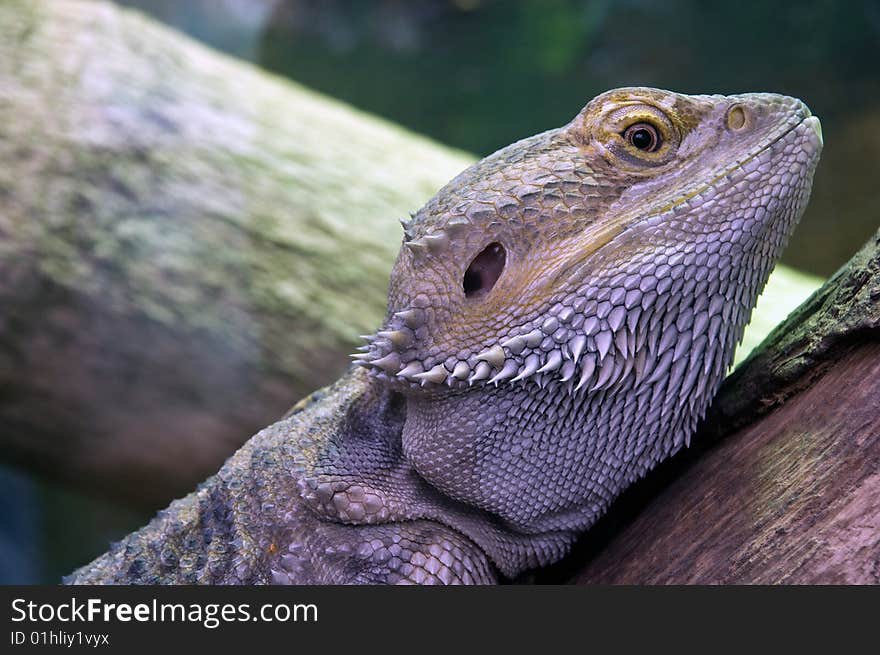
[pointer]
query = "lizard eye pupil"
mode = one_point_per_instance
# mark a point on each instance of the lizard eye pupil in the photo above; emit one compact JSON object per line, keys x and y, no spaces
{"x":484,"y":271}
{"x":643,"y":136}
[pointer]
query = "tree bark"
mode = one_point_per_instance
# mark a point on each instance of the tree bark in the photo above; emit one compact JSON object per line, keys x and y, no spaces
{"x":783,"y":484}
{"x":187,"y":246}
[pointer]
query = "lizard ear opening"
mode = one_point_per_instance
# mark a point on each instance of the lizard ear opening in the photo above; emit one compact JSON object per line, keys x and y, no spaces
{"x":484,"y":271}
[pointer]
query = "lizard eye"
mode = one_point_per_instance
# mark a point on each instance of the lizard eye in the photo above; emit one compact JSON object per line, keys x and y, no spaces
{"x":643,"y":136}
{"x":636,"y":137}
{"x":484,"y":271}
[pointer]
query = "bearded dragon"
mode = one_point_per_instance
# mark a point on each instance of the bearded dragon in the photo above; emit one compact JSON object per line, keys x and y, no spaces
{"x":559,"y":318}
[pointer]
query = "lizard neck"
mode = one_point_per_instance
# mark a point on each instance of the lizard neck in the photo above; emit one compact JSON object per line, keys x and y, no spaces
{"x":544,"y":455}
{"x":546,"y":458}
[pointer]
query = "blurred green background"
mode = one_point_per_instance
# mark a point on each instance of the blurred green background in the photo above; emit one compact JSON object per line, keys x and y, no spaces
{"x":479,"y":74}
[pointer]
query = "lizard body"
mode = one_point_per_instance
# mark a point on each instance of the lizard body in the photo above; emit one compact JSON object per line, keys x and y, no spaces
{"x":559,"y":317}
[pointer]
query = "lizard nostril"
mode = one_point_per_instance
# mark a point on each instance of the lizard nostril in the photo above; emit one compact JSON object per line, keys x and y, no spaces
{"x":484,"y":271}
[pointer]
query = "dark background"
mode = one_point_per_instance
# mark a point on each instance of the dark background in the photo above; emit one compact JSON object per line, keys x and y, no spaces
{"x":479,"y":74}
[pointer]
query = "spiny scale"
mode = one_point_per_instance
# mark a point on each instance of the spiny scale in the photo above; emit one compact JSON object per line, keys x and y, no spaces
{"x":604,"y":353}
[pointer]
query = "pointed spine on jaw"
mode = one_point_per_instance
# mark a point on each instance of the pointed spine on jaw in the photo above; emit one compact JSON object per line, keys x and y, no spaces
{"x":386,"y":352}
{"x":635,"y":335}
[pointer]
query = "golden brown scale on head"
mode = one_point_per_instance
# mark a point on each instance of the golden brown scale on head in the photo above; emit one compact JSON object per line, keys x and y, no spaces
{"x":514,"y":204}
{"x":514,"y":235}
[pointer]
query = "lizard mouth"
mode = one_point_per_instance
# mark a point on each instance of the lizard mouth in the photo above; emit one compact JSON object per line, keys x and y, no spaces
{"x":749,"y":163}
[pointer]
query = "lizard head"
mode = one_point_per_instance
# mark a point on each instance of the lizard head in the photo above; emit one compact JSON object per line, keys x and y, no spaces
{"x":544,"y":260}
{"x":562,"y":312}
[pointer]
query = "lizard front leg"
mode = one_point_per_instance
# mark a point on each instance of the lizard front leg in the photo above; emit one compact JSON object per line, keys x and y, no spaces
{"x":262,"y":519}
{"x":412,"y":552}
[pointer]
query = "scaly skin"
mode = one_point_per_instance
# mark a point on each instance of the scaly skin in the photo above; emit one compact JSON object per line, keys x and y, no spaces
{"x":512,"y":395}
